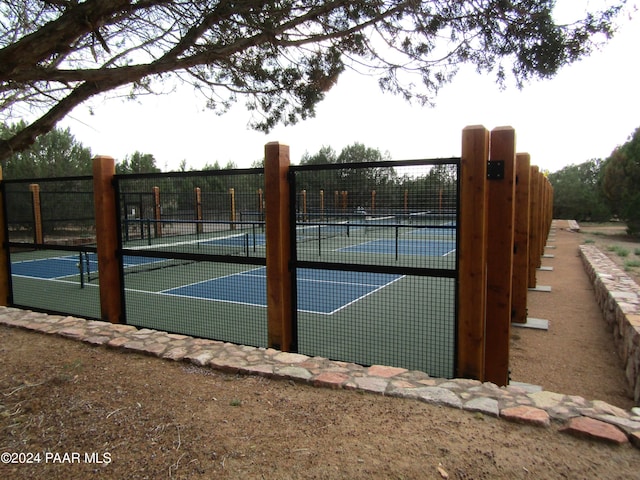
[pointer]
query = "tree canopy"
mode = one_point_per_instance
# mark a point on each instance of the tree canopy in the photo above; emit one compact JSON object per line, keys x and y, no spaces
{"x":54,"y":154}
{"x":138,"y":162}
{"x":621,"y":182}
{"x":281,"y":56}
{"x":578,"y":194}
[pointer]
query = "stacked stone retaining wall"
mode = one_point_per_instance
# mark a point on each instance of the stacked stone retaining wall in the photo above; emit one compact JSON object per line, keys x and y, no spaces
{"x":618,"y":296}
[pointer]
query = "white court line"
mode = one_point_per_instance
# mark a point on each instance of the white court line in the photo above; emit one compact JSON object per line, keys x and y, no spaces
{"x":211,"y":280}
{"x":355,"y":300}
{"x":53,"y":279}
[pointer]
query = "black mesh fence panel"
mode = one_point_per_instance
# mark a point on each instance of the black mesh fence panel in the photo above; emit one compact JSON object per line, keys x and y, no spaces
{"x":376,"y":263}
{"x":374,"y":256}
{"x":193,"y":261}
{"x":51,"y":233}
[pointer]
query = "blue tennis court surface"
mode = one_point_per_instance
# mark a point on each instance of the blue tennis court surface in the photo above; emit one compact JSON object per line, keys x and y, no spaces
{"x":319,"y":291}
{"x":68,"y":266}
{"x":48,"y":268}
{"x":404,"y":247}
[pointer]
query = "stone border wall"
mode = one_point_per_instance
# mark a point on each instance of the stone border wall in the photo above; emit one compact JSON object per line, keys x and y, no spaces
{"x":618,"y":296}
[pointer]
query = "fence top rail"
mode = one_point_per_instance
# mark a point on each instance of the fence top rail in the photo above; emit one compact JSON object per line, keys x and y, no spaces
{"x":48,"y":179}
{"x":382,"y":164}
{"x":89,"y":248}
{"x":191,"y":173}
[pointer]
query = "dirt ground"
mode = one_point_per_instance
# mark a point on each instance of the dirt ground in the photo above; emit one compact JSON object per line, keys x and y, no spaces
{"x":101,"y":413}
{"x":576,"y":356}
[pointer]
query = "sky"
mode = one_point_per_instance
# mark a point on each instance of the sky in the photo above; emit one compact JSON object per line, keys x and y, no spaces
{"x":583,"y":113}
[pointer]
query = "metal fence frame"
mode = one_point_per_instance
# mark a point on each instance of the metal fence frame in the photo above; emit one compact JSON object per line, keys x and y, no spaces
{"x":297,"y":263}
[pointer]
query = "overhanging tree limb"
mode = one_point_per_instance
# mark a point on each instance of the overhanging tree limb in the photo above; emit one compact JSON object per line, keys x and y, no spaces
{"x":281,"y":55}
{"x":57,"y":37}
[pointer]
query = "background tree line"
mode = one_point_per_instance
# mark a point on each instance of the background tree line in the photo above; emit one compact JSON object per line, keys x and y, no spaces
{"x":59,"y":154}
{"x":599,"y":190}
{"x":596,"y":190}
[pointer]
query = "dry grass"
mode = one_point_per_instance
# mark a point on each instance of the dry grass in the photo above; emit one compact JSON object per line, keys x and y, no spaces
{"x":612,"y":239}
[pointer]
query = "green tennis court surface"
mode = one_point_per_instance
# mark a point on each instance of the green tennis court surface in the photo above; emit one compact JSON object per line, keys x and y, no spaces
{"x":245,"y":288}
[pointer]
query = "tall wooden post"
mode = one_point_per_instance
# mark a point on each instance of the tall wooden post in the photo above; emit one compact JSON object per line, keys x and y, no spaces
{"x":38,"y":236}
{"x":534,"y":227}
{"x":472,"y":253}
{"x":542,"y":236}
{"x":548,"y":214}
{"x":521,"y":240}
{"x":278,"y":255}
{"x":232,"y":206}
{"x":501,"y":202}
{"x":107,"y":239}
{"x":5,"y":289}
{"x":260,"y":203}
{"x":157,"y":212}
{"x":304,"y":206}
{"x":198,"y":194}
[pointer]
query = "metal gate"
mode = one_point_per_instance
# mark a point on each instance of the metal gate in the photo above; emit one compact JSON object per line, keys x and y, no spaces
{"x":191,"y":265}
{"x":375,"y":262}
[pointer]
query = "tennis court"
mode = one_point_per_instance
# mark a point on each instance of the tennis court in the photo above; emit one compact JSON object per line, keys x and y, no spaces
{"x":373,"y":259}
{"x":247,"y":287}
{"x":341,"y":314}
{"x":63,"y":268}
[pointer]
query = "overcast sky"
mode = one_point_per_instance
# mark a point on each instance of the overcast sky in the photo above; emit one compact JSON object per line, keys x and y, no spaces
{"x":584,"y":112}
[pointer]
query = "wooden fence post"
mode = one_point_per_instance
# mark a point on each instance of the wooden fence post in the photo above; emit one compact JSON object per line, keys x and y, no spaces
{"x":278,"y":255}
{"x":260,"y":203}
{"x":157,"y":212}
{"x":198,"y":193}
{"x":534,"y":227}
{"x":501,"y":198}
{"x":5,"y":289}
{"x":38,"y":236}
{"x":521,"y":240}
{"x":107,"y":239}
{"x":232,"y":207}
{"x":304,"y":206}
{"x":542,"y":237}
{"x":548,"y":205}
{"x":472,"y":253}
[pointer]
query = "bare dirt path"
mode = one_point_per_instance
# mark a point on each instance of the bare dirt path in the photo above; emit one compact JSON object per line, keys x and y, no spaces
{"x":576,"y":356}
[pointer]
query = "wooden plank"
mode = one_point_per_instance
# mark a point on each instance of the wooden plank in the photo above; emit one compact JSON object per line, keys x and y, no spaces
{"x":278,"y":254}
{"x":521,"y":240}
{"x":107,"y":239}
{"x":472,"y":252}
{"x":500,"y":225}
